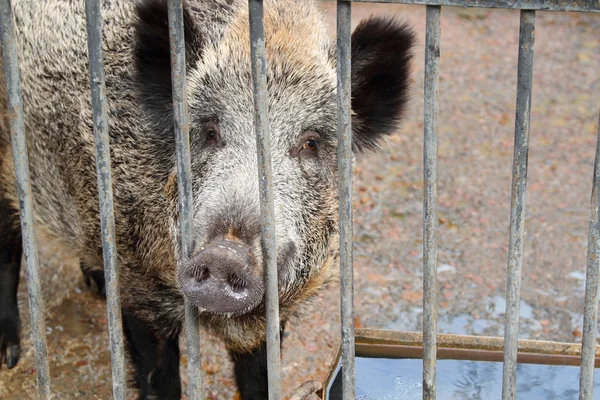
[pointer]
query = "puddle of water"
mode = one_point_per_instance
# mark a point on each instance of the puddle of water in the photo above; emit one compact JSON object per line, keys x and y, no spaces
{"x":401,"y":379}
{"x":498,"y":306}
{"x":578,"y":275}
{"x":445,"y":268}
{"x":467,"y":324}
{"x":408,"y":319}
{"x":464,"y":324}
{"x":72,"y":319}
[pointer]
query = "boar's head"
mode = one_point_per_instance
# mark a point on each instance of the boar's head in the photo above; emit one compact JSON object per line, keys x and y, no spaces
{"x":224,"y":275}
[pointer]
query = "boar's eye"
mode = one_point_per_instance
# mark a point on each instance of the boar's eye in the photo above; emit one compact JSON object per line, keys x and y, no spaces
{"x":212,"y":134}
{"x":308,"y":145}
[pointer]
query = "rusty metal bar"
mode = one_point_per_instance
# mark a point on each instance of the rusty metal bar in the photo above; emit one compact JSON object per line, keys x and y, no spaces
{"x":105,"y":196}
{"x":10,"y":62}
{"x":487,"y":343}
{"x":344,"y":9}
{"x":390,"y":344}
{"x":430,"y":220}
{"x":590,"y":323}
{"x":517,"y":207}
{"x":267,"y":208}
{"x":184,"y":184}
{"x":542,"y":5}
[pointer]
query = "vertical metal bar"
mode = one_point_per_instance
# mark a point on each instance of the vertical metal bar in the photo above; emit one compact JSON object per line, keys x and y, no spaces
{"x":344,"y":47}
{"x":105,"y":195}
{"x":10,"y":61}
{"x":517,"y":207}
{"x":431,"y":117}
{"x":184,"y":183}
{"x":588,"y":351}
{"x":267,"y":209}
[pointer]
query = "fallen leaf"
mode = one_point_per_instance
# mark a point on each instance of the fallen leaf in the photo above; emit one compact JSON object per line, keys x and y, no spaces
{"x":377,"y":278}
{"x":412,"y":296}
{"x":504,"y":119}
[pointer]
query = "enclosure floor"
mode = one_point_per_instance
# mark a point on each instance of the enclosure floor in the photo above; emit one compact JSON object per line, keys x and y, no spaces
{"x":477,"y":104}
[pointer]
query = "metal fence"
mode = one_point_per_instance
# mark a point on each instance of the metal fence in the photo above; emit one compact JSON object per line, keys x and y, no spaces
{"x":431,"y":111}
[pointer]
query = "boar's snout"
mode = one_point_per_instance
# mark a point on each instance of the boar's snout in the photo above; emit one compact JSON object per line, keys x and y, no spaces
{"x":220,"y":279}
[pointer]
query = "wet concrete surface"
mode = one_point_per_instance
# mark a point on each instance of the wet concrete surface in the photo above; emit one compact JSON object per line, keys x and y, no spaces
{"x":477,"y":104}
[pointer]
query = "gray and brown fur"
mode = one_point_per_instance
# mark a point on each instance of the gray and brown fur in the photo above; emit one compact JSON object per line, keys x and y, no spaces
{"x":302,"y":97}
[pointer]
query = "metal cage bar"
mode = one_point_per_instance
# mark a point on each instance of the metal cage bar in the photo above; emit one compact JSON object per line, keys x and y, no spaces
{"x":542,"y":5}
{"x":430,"y":220}
{"x":184,"y":183}
{"x":590,"y":322}
{"x":267,"y":208}
{"x":105,"y":196}
{"x":10,"y":62}
{"x":517,"y":207}
{"x":344,"y":125}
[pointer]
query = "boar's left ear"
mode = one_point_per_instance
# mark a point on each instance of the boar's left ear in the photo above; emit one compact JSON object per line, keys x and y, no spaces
{"x":153,"y":58}
{"x":380,"y":62}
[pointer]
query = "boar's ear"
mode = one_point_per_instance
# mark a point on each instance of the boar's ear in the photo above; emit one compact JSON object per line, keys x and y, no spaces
{"x":380,"y":62}
{"x":153,"y":59}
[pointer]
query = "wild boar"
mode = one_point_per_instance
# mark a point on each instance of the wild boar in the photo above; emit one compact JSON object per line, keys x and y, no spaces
{"x":223,"y":276}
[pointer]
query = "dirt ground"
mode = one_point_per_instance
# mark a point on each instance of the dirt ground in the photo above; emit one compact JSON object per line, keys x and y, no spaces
{"x":477,"y":105}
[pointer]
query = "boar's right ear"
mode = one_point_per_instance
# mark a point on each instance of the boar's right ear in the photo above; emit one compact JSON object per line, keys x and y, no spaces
{"x":380,"y":63}
{"x":153,"y":59}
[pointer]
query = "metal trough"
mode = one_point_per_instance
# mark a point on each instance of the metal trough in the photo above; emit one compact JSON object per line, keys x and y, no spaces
{"x":401,"y":345}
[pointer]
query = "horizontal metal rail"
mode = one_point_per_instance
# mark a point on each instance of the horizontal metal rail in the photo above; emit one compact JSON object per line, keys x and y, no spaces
{"x":488,"y":343}
{"x":10,"y":62}
{"x":542,"y":5}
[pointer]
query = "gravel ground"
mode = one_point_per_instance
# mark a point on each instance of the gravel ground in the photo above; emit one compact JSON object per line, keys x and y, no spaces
{"x":477,"y":97}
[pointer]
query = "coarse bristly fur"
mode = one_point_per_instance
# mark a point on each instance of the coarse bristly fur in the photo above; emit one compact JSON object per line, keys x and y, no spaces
{"x":301,"y":85}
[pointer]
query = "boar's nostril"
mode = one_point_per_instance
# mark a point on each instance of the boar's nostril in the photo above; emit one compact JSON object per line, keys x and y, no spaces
{"x":219,"y":281}
{"x":237,"y":284}
{"x":204,"y":274}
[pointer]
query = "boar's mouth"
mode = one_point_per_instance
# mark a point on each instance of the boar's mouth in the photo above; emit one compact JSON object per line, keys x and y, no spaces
{"x":220,"y":279}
